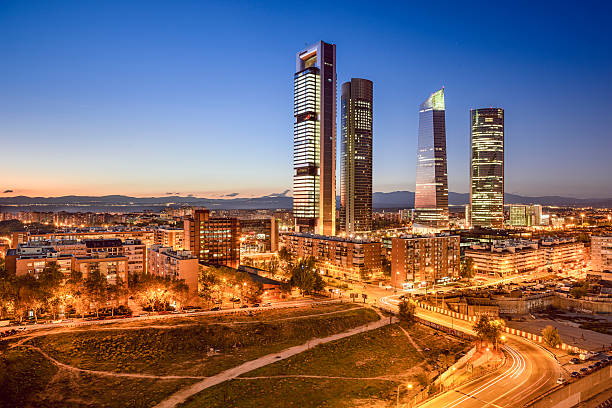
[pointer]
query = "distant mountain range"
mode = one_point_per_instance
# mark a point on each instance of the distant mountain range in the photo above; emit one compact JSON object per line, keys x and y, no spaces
{"x":120,"y":203}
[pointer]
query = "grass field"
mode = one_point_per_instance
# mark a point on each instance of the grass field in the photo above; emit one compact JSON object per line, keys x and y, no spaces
{"x":28,"y":379}
{"x":193,"y":350}
{"x":377,"y":362}
{"x":295,"y":392}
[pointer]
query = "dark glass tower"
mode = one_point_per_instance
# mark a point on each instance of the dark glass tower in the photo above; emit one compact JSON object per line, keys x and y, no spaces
{"x":356,"y":156}
{"x":487,"y":167}
{"x":431,"y":196}
{"x":314,"y":140}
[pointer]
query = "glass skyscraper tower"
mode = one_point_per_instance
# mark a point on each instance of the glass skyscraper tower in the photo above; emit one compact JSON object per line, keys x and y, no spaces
{"x":431,"y":196}
{"x":356,"y":156}
{"x":487,"y":167}
{"x":314,"y":140}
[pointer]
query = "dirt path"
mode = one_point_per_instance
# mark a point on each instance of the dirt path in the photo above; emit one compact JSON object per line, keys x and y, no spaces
{"x":393,"y":379}
{"x":182,"y":395}
{"x":107,"y":373}
{"x":416,"y":346}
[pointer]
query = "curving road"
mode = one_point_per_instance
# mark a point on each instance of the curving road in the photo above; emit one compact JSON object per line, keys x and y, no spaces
{"x":529,"y":371}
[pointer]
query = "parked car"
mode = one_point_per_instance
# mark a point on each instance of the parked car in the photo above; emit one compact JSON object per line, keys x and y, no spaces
{"x":584,"y":370}
{"x":244,"y":306}
{"x":256,"y":305}
{"x":575,"y":361}
{"x":560,"y":380}
{"x":575,"y":374}
{"x":215,"y":308}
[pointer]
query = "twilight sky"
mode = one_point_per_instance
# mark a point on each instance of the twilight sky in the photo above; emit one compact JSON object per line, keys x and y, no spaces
{"x":196,"y":97}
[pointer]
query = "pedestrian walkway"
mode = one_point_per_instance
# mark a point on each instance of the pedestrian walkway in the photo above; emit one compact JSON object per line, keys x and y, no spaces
{"x":182,"y":395}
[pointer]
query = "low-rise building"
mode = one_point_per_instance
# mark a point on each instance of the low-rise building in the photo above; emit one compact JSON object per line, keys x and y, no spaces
{"x":344,"y":258}
{"x":32,"y":260}
{"x":601,"y":257}
{"x":170,"y":263}
{"x":424,"y":259}
{"x":113,"y":267}
{"x":559,"y":252}
{"x":506,"y":257}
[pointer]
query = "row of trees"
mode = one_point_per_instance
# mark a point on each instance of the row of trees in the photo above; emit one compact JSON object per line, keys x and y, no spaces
{"x":215,"y":284}
{"x":302,"y":273}
{"x":52,"y":293}
{"x":489,"y":330}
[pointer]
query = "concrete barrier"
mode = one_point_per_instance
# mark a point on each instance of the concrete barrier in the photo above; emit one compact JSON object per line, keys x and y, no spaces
{"x":573,"y":393}
{"x":530,"y":336}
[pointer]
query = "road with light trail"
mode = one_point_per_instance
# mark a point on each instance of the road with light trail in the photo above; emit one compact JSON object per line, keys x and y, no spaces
{"x":529,"y":370}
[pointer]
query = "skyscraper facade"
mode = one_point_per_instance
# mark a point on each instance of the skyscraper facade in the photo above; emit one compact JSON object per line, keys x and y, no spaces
{"x":431,"y":196}
{"x":314,"y":140}
{"x":487,"y":167}
{"x":356,"y":156}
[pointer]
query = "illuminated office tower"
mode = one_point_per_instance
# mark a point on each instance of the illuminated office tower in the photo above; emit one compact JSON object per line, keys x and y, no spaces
{"x":356,"y":156}
{"x":431,"y":196}
{"x":487,"y":167}
{"x":314,"y":140}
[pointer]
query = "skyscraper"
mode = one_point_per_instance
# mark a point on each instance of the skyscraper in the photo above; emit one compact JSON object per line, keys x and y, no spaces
{"x":314,"y":140}
{"x":356,"y":156}
{"x":431,"y":196}
{"x":487,"y":167}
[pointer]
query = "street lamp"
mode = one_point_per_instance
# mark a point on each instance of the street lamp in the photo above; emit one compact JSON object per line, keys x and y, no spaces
{"x":408,"y":386}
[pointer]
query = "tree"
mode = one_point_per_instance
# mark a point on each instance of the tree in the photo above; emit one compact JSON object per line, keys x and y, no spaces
{"x":467,"y":269}
{"x":286,"y":261}
{"x":96,"y":289}
{"x":319,"y":283}
{"x":156,"y":292}
{"x":252,"y":292}
{"x":116,"y":294}
{"x":580,"y":291}
{"x":364,"y":273}
{"x":50,"y":281}
{"x":206,"y":283}
{"x":303,"y":275}
{"x":8,"y":292}
{"x":481,"y":327}
{"x":75,"y":293}
{"x":28,"y":296}
{"x":386,"y":267}
{"x":407,"y":310}
{"x":551,"y":336}
{"x":489,"y":330}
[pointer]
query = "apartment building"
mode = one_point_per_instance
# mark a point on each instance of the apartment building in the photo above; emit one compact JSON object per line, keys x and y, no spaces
{"x":423,"y":260}
{"x":601,"y":258}
{"x":169,"y":237}
{"x":344,"y":258}
{"x":214,"y":240}
{"x":170,"y":263}
{"x":506,"y":257}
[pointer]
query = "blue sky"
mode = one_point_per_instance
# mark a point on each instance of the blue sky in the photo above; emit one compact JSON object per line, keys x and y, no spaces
{"x":151,"y":97}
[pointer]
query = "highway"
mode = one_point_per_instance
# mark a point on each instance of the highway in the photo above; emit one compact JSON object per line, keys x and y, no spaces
{"x":529,"y":370}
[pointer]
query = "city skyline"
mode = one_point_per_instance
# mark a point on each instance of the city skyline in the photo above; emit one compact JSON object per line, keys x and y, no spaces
{"x":314,"y":139}
{"x":487,"y":168}
{"x":83,"y":95}
{"x":356,"y":156}
{"x":431,"y":194}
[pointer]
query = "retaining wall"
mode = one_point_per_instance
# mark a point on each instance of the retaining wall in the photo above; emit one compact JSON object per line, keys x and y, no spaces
{"x":572,"y":394}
